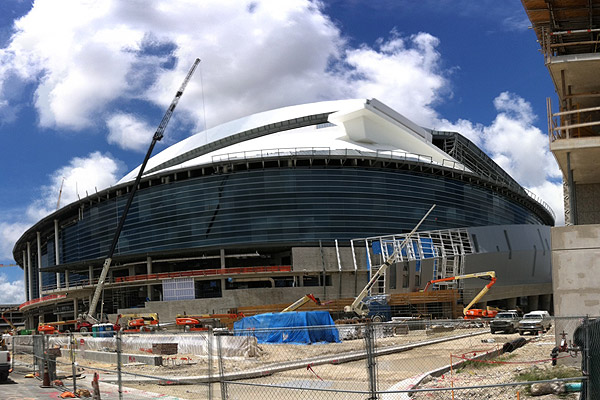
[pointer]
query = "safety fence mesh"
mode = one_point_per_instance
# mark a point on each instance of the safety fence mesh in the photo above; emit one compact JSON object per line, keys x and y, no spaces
{"x":408,"y":359}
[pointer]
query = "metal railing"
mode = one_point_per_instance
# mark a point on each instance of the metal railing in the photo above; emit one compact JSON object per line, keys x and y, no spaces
{"x":572,"y":124}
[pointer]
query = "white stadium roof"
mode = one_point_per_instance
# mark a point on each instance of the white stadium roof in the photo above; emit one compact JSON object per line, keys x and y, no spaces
{"x":361,"y":125}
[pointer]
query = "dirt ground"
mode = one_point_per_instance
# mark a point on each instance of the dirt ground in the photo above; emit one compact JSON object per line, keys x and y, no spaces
{"x":392,"y":369}
{"x":344,"y":380}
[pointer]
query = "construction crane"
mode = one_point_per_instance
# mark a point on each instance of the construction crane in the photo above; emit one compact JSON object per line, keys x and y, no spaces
{"x":361,"y":307}
{"x":60,"y":193}
{"x":158,"y":135}
{"x":9,"y":265}
{"x":467,"y":311}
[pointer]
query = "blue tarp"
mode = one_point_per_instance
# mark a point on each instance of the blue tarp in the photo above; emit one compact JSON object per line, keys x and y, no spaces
{"x":301,"y":327}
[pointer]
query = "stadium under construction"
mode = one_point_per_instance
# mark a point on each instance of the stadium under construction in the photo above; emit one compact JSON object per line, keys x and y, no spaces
{"x":253,"y":214}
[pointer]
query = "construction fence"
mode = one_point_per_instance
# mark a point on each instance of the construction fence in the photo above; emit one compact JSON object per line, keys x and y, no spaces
{"x":407,"y":359}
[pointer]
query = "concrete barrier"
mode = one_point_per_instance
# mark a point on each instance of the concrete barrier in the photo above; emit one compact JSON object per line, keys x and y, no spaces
{"x":111,"y":358}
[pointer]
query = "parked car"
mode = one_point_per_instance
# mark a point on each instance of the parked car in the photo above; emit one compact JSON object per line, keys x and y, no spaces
{"x":534,"y":322}
{"x":506,"y":321}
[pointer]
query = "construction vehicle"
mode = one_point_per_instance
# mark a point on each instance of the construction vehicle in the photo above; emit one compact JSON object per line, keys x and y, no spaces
{"x":145,"y":322}
{"x":372,"y":307}
{"x":202,"y":322}
{"x":78,"y":325}
{"x":474,"y":313}
{"x":300,"y":302}
{"x":13,"y":328}
{"x":158,"y":135}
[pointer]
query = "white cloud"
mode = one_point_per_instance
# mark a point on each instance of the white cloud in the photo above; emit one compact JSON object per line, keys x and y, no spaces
{"x":94,"y":172}
{"x":9,"y":233}
{"x":82,"y":176}
{"x":403,"y":73}
{"x":85,"y":56}
{"x":11,"y":292}
{"x":551,"y":192}
{"x":89,"y":57}
{"x":519,"y":147}
{"x":128,"y":132}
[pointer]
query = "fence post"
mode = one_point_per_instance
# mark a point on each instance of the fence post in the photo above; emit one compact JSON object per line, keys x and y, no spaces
{"x":119,"y":380}
{"x":371,"y":364}
{"x":33,"y":354}
{"x":209,"y":350}
{"x":586,"y":323}
{"x":221,"y":371}
{"x":12,"y":360}
{"x":73,"y":359}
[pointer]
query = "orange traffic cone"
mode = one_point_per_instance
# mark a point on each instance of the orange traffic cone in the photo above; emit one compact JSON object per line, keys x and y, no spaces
{"x":46,"y":380}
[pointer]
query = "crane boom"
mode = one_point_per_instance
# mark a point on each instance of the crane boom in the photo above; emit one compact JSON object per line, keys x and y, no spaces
{"x":158,"y":135}
{"x":358,"y":306}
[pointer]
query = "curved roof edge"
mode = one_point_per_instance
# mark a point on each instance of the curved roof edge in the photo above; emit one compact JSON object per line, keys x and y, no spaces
{"x":241,"y":129}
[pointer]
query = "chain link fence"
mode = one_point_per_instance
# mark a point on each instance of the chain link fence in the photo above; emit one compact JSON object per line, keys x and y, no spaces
{"x":408,"y":359}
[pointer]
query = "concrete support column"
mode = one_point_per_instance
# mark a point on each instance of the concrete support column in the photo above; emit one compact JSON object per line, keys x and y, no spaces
{"x":545,"y":302}
{"x":39,"y":261}
{"x":511,"y":304}
{"x":222,"y":258}
{"x":533,"y":303}
{"x":571,"y":186}
{"x":75,"y":309}
{"x":91,"y":274}
{"x":26,"y":277}
{"x":29,"y":271}
{"x":56,"y":255}
{"x":29,"y":322}
{"x":149,"y":272}
{"x":67,"y":278}
{"x":131,"y":270}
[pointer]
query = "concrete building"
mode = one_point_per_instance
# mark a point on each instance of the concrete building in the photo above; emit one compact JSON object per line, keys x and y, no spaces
{"x":568,"y":32}
{"x":267,"y":208}
{"x":10,"y":315}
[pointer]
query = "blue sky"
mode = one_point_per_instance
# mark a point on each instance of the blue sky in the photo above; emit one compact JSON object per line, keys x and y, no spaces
{"x":83,"y":85}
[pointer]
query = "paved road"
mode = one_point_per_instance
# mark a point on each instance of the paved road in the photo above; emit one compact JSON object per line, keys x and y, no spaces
{"x":20,"y":388}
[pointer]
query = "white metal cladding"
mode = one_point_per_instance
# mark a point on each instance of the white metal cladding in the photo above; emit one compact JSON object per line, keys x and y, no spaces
{"x":178,"y":289}
{"x":446,"y":247}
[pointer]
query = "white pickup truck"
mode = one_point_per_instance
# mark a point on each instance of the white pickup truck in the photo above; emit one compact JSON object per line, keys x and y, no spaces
{"x":4,"y":362}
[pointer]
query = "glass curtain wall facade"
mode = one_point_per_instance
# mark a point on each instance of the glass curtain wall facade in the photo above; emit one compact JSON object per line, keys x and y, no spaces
{"x":283,"y":205}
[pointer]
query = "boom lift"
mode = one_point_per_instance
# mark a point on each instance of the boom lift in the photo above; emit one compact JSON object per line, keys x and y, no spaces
{"x":300,"y":302}
{"x":467,"y":311}
{"x":203,"y":321}
{"x":54,"y":327}
{"x":158,"y":135}
{"x":144,"y":322}
{"x":360,"y":305}
{"x":13,"y":328}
